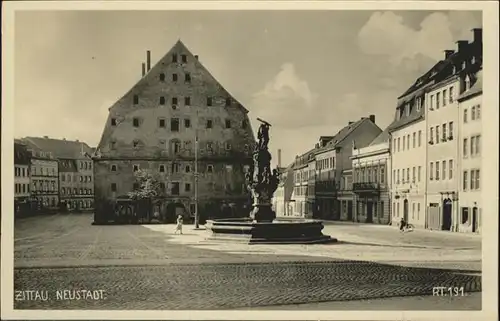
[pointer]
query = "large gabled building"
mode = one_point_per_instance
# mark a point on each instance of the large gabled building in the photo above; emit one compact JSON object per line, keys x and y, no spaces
{"x":175,"y":121}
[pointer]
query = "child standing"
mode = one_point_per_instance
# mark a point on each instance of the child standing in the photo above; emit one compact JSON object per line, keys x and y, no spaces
{"x":178,"y":228}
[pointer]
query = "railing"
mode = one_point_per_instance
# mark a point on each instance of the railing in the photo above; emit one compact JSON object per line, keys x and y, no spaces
{"x":366,"y":187}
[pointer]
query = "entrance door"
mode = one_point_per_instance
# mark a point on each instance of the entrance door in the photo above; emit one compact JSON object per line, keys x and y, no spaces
{"x":349,"y":210}
{"x":369,"y":212}
{"x":474,"y":219}
{"x":447,"y":214}
{"x":405,"y":210}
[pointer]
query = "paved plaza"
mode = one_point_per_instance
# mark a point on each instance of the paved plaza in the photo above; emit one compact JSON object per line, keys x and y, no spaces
{"x":147,"y":267}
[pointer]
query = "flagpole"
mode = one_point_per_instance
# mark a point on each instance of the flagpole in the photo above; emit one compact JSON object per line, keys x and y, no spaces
{"x":196,"y":217}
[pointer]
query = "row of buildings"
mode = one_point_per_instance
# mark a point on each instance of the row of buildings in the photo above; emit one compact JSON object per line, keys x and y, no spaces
{"x":425,"y":167}
{"x":52,"y":174}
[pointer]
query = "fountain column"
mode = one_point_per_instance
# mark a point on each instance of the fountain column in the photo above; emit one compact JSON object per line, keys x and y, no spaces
{"x":261,"y":182}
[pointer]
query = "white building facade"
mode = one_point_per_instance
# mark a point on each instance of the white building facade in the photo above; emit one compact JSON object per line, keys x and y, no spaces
{"x":470,"y":125}
{"x":442,"y":153}
{"x":371,"y":167}
{"x":408,"y":185}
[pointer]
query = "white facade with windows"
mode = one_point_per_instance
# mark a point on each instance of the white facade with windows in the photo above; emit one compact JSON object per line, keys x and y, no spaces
{"x":408,"y":167}
{"x":442,"y":153}
{"x":470,"y":151}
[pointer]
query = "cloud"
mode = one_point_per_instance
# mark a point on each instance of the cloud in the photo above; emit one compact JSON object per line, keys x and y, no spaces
{"x":386,"y":34}
{"x":285,"y":100}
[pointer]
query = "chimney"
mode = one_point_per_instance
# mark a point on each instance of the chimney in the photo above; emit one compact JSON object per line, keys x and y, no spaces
{"x":372,"y":118}
{"x":350,"y":123}
{"x":461,"y":45}
{"x":143,"y":69}
{"x":196,"y":57}
{"x":64,"y":138}
{"x":478,"y":35}
{"x":148,"y":60}
{"x":77,"y":140}
{"x":46,"y":137}
{"x":279,"y":157}
{"x":448,"y":53}
{"x":316,"y":146}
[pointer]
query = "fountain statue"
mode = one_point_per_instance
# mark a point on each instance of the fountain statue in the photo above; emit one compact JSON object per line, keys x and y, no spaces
{"x":260,"y":180}
{"x":262,"y":226}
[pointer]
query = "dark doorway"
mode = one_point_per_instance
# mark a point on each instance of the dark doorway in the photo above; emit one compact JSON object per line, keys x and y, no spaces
{"x":447,"y":203}
{"x":405,"y":210}
{"x":474,"y":220}
{"x":173,"y":210}
{"x":349,"y":210}
{"x":369,"y":212}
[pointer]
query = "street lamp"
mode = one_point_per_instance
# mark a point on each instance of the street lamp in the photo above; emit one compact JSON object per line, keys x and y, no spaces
{"x":196,"y":216}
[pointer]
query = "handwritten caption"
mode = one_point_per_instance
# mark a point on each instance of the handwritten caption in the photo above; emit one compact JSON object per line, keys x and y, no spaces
{"x":59,"y":295}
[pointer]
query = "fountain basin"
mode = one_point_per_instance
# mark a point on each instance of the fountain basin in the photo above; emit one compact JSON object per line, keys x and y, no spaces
{"x":280,"y":231}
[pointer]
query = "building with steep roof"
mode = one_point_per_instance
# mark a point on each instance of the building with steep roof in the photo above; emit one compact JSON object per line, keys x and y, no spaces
{"x":371,"y":168}
{"x":75,"y":170}
{"x":470,"y":124}
{"x":332,"y":158}
{"x":317,"y":173}
{"x":180,"y":123}
{"x":423,"y":140}
{"x":442,"y":117}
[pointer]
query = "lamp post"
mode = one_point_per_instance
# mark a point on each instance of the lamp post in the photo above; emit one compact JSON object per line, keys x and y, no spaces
{"x":196,"y":216}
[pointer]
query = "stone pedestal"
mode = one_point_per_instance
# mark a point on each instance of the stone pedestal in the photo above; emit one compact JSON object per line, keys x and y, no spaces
{"x":263,"y":213}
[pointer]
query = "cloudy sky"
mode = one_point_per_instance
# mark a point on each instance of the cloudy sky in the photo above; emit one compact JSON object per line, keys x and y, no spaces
{"x":307,"y":73}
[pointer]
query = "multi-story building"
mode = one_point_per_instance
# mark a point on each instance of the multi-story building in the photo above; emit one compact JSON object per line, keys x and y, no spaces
{"x":332,"y":157}
{"x":424,"y":144}
{"x":282,"y":196}
{"x":345,"y":196}
{"x":21,"y":177}
{"x":44,"y":180}
{"x":456,"y":72}
{"x":408,"y":162}
{"x":470,"y":124}
{"x":176,"y":119}
{"x":76,"y":183}
{"x":302,"y":198}
{"x":371,"y":167}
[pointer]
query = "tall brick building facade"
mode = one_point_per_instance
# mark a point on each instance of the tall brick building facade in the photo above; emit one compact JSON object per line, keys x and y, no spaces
{"x":154,"y":127}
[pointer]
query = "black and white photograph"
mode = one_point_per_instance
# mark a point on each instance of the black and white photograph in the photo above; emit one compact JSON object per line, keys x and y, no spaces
{"x":305,"y":162}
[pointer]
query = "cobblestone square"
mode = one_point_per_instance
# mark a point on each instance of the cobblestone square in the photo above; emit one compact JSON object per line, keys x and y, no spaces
{"x":147,"y":267}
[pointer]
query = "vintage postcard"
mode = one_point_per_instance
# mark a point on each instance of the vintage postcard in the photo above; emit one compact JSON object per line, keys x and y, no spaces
{"x":250,"y":160}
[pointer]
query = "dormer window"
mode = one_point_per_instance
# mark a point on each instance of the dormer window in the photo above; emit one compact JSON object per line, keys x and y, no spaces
{"x":407,"y":108}
{"x":454,"y":70}
{"x":464,"y":64}
{"x":473,"y":60}
{"x":467,"y":82}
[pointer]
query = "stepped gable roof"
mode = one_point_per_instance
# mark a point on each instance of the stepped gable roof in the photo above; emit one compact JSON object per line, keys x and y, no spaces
{"x":476,"y":89}
{"x":59,"y":148}
{"x":152,"y":75}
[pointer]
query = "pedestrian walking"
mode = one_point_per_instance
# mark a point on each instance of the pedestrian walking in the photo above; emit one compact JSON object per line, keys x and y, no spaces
{"x":178,"y":227}
{"x":402,"y":225}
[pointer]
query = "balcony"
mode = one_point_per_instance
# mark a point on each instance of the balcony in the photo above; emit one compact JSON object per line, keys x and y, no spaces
{"x":366,"y":188}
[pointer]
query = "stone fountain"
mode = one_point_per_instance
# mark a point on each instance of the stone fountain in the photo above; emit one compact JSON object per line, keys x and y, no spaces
{"x":262,"y":226}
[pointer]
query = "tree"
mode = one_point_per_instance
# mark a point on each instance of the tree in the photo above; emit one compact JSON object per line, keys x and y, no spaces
{"x":149,"y":189}
{"x":149,"y":186}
